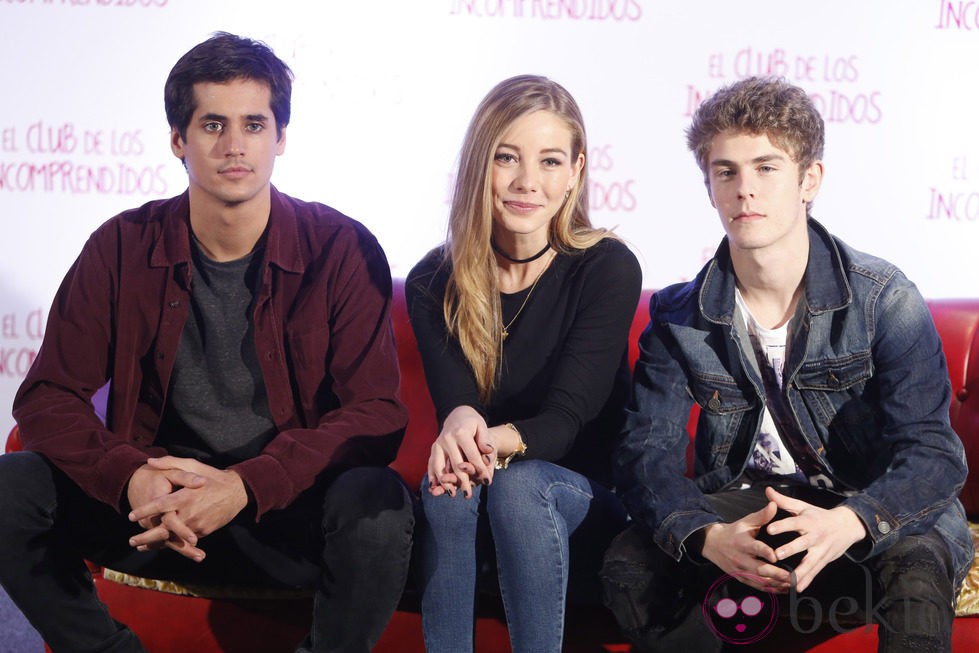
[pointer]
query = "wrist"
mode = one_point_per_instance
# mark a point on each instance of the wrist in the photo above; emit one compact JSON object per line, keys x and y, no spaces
{"x":519,"y":448}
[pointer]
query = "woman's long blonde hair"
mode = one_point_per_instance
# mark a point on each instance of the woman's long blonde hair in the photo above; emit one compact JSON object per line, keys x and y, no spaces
{"x":472,"y":298}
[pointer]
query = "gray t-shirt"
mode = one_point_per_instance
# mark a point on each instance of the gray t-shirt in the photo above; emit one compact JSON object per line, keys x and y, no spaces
{"x":218,"y":410}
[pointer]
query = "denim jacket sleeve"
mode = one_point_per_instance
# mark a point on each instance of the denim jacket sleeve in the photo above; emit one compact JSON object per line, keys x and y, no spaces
{"x":925,"y":467}
{"x":650,"y":462}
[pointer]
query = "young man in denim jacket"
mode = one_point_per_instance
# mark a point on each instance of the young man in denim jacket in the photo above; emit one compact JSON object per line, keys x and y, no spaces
{"x":823,"y":440}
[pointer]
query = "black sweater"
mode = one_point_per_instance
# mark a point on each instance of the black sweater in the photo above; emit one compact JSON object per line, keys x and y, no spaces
{"x":565,"y":375}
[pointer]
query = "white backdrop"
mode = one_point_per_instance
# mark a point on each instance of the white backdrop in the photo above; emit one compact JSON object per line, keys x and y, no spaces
{"x":384,"y":90}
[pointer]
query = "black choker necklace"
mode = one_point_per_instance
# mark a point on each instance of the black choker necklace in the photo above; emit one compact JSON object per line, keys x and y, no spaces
{"x":498,"y":250}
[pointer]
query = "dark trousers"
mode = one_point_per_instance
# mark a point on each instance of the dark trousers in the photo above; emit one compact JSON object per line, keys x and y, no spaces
{"x":666,"y":605}
{"x":349,"y":537}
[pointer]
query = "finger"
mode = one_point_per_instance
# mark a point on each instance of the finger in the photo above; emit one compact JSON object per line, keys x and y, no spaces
{"x":465,"y":484}
{"x":178,"y":528}
{"x":795,"y":506}
{"x":449,"y":482}
{"x":155,"y":535}
{"x":794,"y":524}
{"x":155,"y":508}
{"x":184,"y":478}
{"x":798,"y":544}
{"x":479,"y":451}
{"x":168,"y":462}
{"x":774,"y":575}
{"x":488,"y":476}
{"x":186,"y":550}
{"x":761,"y":551}
{"x":175,"y":463}
{"x":761,"y":517}
{"x":805,"y":573}
{"x":765,"y":584}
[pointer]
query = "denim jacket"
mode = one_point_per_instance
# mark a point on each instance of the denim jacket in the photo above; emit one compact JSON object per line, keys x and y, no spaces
{"x":865,"y":380}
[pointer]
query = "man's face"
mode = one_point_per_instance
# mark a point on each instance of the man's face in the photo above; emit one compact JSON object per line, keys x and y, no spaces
{"x":231,"y":142}
{"x":754,"y":185}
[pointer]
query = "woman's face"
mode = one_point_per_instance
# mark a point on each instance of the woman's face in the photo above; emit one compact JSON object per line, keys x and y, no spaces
{"x":533,"y":169}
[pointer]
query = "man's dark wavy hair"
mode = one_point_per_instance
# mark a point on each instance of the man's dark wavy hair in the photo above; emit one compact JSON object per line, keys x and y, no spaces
{"x":222,"y":58}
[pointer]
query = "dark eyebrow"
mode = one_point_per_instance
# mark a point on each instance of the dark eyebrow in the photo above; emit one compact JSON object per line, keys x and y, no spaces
{"x":252,"y":117}
{"x":546,"y":150}
{"x":765,"y":158}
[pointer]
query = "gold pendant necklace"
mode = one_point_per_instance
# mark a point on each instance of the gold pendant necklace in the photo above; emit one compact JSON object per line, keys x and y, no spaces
{"x":506,"y":327}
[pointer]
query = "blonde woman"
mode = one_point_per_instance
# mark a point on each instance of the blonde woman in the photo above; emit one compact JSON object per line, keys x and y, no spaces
{"x":522,"y":318}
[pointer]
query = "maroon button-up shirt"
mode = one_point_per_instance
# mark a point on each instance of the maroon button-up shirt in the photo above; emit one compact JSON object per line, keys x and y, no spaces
{"x":322,"y":333}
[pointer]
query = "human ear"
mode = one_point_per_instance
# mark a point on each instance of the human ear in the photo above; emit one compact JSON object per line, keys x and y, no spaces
{"x":812,"y":180}
{"x":576,"y":169}
{"x":281,"y":145}
{"x":177,"y":143}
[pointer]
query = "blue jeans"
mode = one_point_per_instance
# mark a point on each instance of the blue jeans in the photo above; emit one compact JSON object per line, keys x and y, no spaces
{"x":543,"y":519}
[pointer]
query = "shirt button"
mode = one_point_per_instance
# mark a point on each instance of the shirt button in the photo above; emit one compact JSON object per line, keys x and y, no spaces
{"x":884,"y":528}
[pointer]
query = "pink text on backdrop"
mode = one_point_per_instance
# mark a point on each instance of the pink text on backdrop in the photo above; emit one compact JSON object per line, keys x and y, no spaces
{"x":146,"y":4}
{"x":958,"y":15}
{"x":605,"y":191}
{"x":610,"y":10}
{"x":66,"y":176}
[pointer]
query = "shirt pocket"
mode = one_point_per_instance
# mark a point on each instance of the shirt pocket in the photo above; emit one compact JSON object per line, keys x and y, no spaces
{"x":836,"y":395}
{"x":718,"y":394}
{"x":724,"y":409}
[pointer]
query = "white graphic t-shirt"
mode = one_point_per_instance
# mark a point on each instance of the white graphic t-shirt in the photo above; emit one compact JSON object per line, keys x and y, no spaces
{"x":770,"y":456}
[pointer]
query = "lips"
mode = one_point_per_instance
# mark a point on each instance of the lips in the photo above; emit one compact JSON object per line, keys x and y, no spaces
{"x":235,"y":171}
{"x":521,"y":207}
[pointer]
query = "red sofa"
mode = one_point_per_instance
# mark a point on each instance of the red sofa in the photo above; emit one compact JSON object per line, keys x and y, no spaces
{"x":171,"y":622}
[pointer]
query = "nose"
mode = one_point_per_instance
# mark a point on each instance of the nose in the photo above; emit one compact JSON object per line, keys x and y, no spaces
{"x":746,"y":187}
{"x":234,"y":144}
{"x":526,"y":179}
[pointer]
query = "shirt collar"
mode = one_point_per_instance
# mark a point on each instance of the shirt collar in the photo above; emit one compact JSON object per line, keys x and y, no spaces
{"x":826,"y":286}
{"x":282,"y":247}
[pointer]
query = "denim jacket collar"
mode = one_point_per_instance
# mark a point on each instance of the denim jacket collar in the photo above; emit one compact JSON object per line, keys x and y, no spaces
{"x":826,"y":286}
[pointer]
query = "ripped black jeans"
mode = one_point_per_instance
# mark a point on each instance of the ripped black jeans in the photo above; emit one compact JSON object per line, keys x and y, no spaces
{"x":665,"y":605}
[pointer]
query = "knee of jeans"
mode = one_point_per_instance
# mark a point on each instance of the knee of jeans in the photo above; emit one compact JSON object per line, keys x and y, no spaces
{"x":531,"y":485}
{"x":26,"y":492}
{"x":448,"y":508}
{"x":917,"y":567}
{"x":373,"y":497}
{"x":21,"y":472}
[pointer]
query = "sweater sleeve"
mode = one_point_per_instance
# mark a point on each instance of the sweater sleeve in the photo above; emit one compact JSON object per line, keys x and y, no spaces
{"x":592,"y":351}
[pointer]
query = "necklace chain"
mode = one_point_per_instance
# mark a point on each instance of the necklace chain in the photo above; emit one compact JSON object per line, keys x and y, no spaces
{"x":505,"y":331}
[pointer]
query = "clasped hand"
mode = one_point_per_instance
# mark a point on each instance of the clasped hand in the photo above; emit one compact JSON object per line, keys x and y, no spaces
{"x":463,"y":453}
{"x":823,"y":534}
{"x":177,"y":501}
